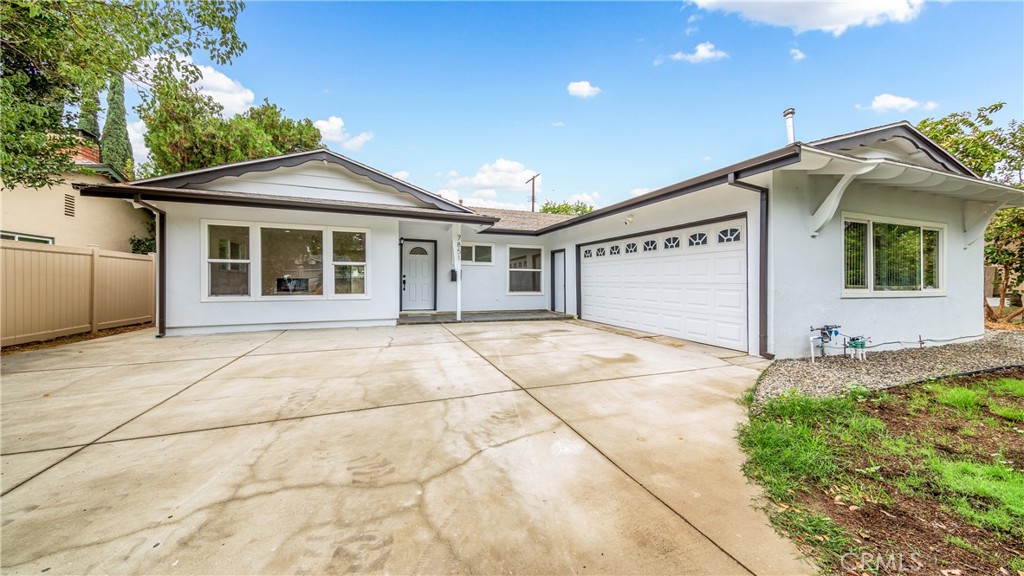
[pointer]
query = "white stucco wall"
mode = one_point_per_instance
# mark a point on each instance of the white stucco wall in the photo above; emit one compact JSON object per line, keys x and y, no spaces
{"x":187,"y":313}
{"x":806,"y":274}
{"x":680,"y":211}
{"x":484,"y":287}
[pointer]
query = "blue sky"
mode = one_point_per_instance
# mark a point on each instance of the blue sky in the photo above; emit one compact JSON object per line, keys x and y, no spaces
{"x":606,"y":100}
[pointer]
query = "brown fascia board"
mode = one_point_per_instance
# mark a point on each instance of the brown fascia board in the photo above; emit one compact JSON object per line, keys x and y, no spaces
{"x":159,"y":194}
{"x":785,"y":156}
{"x":902,"y":129}
{"x":203,"y":175}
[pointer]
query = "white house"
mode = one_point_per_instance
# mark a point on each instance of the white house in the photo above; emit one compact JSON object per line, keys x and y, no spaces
{"x":878,"y":231}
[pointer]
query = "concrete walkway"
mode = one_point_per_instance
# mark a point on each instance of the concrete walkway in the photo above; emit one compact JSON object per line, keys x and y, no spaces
{"x":517,"y":447}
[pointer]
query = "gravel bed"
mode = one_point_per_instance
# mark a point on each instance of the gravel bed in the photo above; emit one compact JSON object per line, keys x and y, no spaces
{"x":890,"y":368}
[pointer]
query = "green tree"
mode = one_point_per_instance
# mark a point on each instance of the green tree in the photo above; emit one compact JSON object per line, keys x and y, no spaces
{"x":115,"y":147}
{"x":577,"y":208}
{"x":186,"y":131}
{"x":53,"y":53}
{"x":997,"y":154}
{"x":89,"y":114}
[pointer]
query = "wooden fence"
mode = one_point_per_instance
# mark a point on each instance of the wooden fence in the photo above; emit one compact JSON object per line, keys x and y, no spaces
{"x":48,"y":291}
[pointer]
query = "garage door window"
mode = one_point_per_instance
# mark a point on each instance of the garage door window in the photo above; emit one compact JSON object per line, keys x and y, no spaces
{"x":524,"y":269}
{"x":631,"y":248}
{"x":728,"y":235}
{"x":671,"y":242}
{"x":891,"y":258}
{"x":650,"y":245}
{"x":614,"y":251}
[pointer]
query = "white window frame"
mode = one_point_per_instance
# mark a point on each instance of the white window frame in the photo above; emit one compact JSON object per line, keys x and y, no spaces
{"x":256,"y":262}
{"x":509,"y":269}
{"x":870,"y":292}
{"x":365,"y":264}
{"x":33,"y":238}
{"x":474,"y":262}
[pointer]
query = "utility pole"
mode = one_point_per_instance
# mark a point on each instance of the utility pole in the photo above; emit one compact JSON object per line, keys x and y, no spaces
{"x":533,"y":192}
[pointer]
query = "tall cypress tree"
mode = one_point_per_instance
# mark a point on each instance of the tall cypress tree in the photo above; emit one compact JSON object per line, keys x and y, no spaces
{"x":115,"y":148}
{"x":89,"y":114}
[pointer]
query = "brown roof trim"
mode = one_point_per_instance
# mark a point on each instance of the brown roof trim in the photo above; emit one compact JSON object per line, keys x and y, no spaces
{"x":902,"y":129}
{"x":159,"y":194}
{"x":203,"y":175}
{"x":775,"y":159}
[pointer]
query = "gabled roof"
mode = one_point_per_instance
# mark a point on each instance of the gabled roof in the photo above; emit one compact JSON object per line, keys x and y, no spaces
{"x":203,"y":175}
{"x":518,"y":221}
{"x":913,"y":144}
{"x":151,"y":193}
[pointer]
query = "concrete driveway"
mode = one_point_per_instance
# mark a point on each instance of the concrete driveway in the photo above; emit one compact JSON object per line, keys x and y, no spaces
{"x":516,"y":447}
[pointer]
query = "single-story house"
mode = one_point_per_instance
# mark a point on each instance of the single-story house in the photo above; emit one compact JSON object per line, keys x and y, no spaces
{"x":879,"y":231}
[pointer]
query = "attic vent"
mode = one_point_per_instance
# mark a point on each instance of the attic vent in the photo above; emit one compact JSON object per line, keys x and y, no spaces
{"x":69,"y":205}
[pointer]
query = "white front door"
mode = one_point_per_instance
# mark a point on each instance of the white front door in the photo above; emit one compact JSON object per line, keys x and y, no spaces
{"x":417,"y":275}
{"x":558,"y":278}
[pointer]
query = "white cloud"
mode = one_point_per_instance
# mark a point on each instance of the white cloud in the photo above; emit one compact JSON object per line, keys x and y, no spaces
{"x":583,"y":89}
{"x":830,"y":16}
{"x":587,"y":198}
{"x":558,"y":124}
{"x":706,"y":159}
{"x":136,"y":135}
{"x":659,"y":60}
{"x":693,"y":18}
{"x":228,"y":92}
{"x":691,"y":30}
{"x":889,"y":102}
{"x":704,"y":52}
{"x":499,"y":184}
{"x":401,"y":175}
{"x":333,"y":130}
{"x":797,"y":54}
{"x":639,"y":191}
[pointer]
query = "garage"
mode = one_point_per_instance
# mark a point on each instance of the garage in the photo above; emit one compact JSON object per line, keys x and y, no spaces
{"x":688,"y":282}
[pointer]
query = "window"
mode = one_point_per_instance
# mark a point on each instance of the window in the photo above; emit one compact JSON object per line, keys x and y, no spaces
{"x":631,"y":248}
{"x":524,"y":269}
{"x":588,"y":253}
{"x":650,"y":245}
{"x":349,"y":262}
{"x":18,"y":237}
{"x":672,"y":242}
{"x":228,"y":260}
{"x":698,"y":239}
{"x":477,"y":253}
{"x":600,"y":252}
{"x":890,"y":257}
{"x":613,"y":251}
{"x":728,"y":235}
{"x":291,"y":262}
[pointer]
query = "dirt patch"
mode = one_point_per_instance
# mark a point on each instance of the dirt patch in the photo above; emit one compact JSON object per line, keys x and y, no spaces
{"x":71,"y":339}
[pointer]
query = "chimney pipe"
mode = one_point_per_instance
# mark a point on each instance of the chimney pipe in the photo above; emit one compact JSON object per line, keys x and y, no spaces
{"x":788,"y":114}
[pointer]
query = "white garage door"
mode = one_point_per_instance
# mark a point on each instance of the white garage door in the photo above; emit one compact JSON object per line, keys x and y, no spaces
{"x":689,"y":283}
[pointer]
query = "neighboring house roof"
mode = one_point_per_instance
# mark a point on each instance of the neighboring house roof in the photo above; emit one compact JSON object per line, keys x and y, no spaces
{"x":897,"y":139}
{"x":203,"y":175}
{"x":519,"y":220}
{"x":101,"y":168}
{"x":223,"y":198}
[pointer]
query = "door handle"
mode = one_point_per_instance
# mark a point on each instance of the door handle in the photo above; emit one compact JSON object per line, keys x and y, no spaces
{"x":403,"y":282}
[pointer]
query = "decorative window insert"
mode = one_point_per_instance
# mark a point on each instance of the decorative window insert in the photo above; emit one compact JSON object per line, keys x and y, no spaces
{"x":600,"y":252}
{"x":291,"y":262}
{"x":19,"y":237}
{"x":890,"y":257}
{"x":525,"y":270}
{"x":588,"y":253}
{"x":349,"y":261}
{"x":631,"y":248}
{"x":614,"y":251}
{"x":728,"y":235}
{"x":477,"y":253}
{"x":228,"y":261}
{"x":650,"y":245}
{"x":697,"y":239}
{"x":671,"y":242}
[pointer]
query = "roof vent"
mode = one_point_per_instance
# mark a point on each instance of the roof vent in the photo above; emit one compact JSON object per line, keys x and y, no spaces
{"x":788,"y":114}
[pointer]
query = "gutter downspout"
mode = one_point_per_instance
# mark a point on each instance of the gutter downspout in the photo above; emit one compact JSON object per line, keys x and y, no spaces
{"x":161,"y":267}
{"x":762,"y":264}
